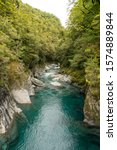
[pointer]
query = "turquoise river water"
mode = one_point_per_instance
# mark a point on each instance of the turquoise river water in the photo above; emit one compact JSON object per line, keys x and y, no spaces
{"x":54,"y":120}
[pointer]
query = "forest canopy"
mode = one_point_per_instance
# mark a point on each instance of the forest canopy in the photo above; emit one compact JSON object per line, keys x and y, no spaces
{"x":79,"y":53}
{"x":27,"y":35}
{"x":30,"y":37}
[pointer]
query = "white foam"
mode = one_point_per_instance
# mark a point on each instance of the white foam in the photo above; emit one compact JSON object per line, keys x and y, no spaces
{"x":56,"y":84}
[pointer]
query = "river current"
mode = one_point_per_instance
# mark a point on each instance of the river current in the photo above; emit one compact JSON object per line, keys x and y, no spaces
{"x":54,"y":120}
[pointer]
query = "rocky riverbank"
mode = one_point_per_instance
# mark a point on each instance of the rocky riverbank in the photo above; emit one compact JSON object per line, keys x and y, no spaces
{"x":92,"y":108}
{"x":21,"y":95}
{"x":8,"y":109}
{"x":9,"y":100}
{"x":91,"y":103}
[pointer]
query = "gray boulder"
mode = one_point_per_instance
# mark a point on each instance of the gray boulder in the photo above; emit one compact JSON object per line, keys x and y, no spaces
{"x":37,"y":82}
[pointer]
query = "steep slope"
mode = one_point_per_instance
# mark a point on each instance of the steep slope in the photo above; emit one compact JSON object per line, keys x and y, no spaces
{"x":79,"y":53}
{"x":28,"y":37}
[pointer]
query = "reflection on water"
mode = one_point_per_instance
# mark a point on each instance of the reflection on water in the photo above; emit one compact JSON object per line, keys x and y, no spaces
{"x":55,"y":120}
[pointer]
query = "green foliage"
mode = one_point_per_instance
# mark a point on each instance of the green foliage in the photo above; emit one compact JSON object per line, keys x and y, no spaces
{"x":16,"y":74}
{"x":79,"y":53}
{"x":80,"y":46}
{"x":27,"y":35}
{"x":7,"y":7}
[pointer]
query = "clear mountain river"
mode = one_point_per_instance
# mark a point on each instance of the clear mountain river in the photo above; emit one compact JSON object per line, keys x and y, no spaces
{"x":55,"y":120}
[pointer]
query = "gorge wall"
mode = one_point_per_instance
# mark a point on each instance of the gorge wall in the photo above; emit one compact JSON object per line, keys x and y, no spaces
{"x":30,"y":37}
{"x":79,"y":54}
{"x":92,"y":109}
{"x":9,"y":100}
{"x":8,"y":110}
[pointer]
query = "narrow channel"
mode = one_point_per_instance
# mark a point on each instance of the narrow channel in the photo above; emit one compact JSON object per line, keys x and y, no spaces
{"x":55,"y":119}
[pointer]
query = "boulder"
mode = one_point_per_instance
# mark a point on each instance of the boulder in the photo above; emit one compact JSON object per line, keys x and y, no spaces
{"x":56,"y":84}
{"x":21,"y":96}
{"x":37,"y":82}
{"x":47,"y":68}
{"x":62,"y":78}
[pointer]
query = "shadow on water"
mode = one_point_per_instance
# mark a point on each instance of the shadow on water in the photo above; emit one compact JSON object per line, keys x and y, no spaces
{"x":55,"y":121}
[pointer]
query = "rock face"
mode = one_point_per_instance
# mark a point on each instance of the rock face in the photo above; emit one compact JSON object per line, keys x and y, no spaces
{"x":55,"y":83}
{"x":37,"y":82}
{"x":62,"y":78}
{"x":8,"y":100}
{"x":92,"y":109}
{"x":30,"y":87}
{"x":8,"y":109}
{"x":21,"y":96}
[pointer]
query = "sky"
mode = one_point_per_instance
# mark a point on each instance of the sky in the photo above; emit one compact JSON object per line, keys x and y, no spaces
{"x":56,"y":7}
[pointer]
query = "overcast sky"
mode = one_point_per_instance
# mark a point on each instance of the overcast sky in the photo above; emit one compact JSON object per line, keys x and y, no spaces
{"x":56,"y":7}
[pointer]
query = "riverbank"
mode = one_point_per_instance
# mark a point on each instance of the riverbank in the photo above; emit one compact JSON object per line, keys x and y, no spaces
{"x":12,"y":96}
{"x":55,"y":116}
{"x":47,"y":78}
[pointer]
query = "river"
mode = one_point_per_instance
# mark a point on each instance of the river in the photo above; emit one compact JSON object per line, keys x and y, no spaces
{"x":55,"y":120}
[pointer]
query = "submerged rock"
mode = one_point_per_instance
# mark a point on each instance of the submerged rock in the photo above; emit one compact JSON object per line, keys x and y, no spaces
{"x":21,"y":96}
